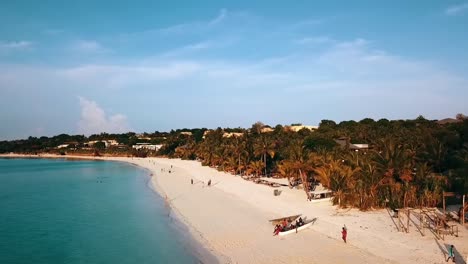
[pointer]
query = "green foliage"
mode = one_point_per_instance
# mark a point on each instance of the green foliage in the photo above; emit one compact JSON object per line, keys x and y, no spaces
{"x":410,"y":162}
{"x":99,"y":145}
{"x":317,"y":143}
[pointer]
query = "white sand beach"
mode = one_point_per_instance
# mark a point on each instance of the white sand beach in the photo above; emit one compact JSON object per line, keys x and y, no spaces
{"x":231,"y":218}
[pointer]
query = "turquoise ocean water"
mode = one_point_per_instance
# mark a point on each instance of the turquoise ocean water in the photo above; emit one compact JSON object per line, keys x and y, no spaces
{"x":62,"y":211}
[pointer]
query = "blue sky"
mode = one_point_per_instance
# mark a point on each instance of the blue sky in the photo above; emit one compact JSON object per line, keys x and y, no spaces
{"x":92,"y":66}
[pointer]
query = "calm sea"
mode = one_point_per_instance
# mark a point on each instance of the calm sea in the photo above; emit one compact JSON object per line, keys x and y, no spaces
{"x":62,"y":211}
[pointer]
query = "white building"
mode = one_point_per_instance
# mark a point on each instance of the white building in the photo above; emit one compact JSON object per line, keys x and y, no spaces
{"x":232,"y":134}
{"x":266,"y":129}
{"x":111,"y":142}
{"x":108,"y":143}
{"x":147,"y":146}
{"x":344,"y":142}
{"x":298,"y":128}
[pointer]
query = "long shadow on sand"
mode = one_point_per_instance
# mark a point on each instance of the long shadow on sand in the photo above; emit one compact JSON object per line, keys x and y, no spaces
{"x":458,"y":257}
{"x":393,"y":220}
{"x":444,"y":249}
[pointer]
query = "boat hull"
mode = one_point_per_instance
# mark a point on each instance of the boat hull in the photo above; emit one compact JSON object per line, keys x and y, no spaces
{"x":292,"y":231}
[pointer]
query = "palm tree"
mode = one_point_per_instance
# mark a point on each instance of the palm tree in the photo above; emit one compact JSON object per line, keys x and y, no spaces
{"x":286,"y":170}
{"x":337,"y":177}
{"x":239,"y":150}
{"x":255,"y":167}
{"x":435,"y":153}
{"x":264,"y":147}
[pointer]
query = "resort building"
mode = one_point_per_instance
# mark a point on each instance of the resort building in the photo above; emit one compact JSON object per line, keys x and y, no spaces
{"x":300,"y":127}
{"x":108,"y":143}
{"x":146,"y":146}
{"x":344,"y":142}
{"x":266,"y":129}
{"x":143,"y":137}
{"x":232,"y":134}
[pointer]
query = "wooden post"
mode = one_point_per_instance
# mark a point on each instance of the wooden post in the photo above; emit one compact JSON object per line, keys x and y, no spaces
{"x":423,"y":224}
{"x":407,"y":220}
{"x":463,"y":211}
{"x":443,"y":204}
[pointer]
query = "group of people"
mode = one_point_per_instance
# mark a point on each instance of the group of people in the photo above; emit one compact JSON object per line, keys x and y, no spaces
{"x":209,"y":182}
{"x":284,"y":226}
{"x":164,"y":170}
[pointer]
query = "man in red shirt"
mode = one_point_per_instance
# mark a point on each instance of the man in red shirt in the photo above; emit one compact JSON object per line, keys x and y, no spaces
{"x":344,"y":234}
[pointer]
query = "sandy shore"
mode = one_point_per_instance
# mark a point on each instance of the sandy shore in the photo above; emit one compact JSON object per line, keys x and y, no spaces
{"x":231,"y":219}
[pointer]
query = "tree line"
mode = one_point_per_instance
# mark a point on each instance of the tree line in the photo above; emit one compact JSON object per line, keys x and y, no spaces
{"x":409,"y":163}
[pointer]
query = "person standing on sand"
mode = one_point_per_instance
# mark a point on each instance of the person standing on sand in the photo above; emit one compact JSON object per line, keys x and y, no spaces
{"x":344,"y":233}
{"x":191,"y":180}
{"x":451,"y":255}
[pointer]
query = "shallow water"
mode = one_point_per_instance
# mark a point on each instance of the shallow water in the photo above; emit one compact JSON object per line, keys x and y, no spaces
{"x":61,"y":211}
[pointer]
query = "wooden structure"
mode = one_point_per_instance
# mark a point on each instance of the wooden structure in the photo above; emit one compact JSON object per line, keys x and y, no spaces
{"x":425,"y":219}
{"x":404,"y":223}
{"x":463,"y":209}
{"x":446,"y":194}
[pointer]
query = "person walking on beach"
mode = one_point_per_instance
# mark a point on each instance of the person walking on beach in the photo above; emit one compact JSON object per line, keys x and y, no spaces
{"x":451,"y":255}
{"x":209,"y":183}
{"x":191,"y":180}
{"x":344,"y":233}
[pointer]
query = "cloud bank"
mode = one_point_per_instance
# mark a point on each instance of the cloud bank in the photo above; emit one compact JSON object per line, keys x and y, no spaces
{"x":456,"y":9}
{"x":11,"y":46}
{"x":231,"y":70}
{"x":94,"y":120}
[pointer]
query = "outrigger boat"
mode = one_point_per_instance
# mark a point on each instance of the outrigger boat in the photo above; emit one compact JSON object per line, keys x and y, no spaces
{"x":289,"y":228}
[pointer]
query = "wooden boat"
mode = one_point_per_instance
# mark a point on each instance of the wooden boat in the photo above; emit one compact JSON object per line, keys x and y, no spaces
{"x":288,"y":219}
{"x":292,"y":219}
{"x":295,"y":230}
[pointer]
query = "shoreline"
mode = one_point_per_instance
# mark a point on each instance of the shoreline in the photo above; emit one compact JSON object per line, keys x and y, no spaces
{"x":229,"y":219}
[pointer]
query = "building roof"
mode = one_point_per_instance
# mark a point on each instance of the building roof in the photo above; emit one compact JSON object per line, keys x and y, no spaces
{"x":448,"y":121}
{"x":232,"y":134}
{"x":298,"y":128}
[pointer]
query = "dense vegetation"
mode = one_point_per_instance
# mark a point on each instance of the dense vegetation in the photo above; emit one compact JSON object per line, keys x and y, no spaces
{"x":409,"y":162}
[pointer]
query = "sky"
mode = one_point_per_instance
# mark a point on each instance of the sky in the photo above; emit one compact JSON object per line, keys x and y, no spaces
{"x":85,"y":67}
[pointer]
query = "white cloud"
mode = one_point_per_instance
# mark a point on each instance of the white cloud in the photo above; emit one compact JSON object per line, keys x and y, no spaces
{"x":184,"y":50}
{"x":352,"y":75}
{"x":314,"y":40}
{"x":124,"y":76}
{"x":221,"y":16}
{"x":251,"y":75}
{"x":456,"y":9}
{"x":307,"y":23}
{"x":88,"y":46}
{"x":94,"y":120}
{"x":194,"y":26}
{"x":7,"y":47}
{"x":53,"y":31}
